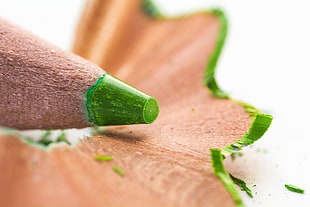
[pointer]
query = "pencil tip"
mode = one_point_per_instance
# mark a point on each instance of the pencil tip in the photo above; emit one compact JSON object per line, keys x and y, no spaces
{"x":113,"y":102}
{"x":150,"y":110}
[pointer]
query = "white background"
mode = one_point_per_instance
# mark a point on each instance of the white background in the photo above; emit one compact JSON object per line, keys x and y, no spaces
{"x":265,"y":62}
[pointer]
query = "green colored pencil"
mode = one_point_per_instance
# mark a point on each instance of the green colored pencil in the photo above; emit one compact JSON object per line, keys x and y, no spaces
{"x":44,"y":87}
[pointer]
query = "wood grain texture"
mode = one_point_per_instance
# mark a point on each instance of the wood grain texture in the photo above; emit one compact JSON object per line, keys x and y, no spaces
{"x":41,"y":86}
{"x":166,"y":163}
{"x":107,"y":29}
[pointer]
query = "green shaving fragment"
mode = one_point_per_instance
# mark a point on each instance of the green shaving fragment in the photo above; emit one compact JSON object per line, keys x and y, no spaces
{"x":62,"y":138}
{"x":262,"y":150}
{"x":103,"y":158}
{"x":45,"y":135}
{"x":234,"y":155}
{"x":242,"y":185}
{"x":221,"y":173}
{"x":46,"y":141}
{"x":294,"y":188}
{"x":118,"y":171}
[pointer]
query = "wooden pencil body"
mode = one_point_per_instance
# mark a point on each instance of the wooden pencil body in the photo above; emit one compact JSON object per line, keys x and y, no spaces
{"x":41,"y":86}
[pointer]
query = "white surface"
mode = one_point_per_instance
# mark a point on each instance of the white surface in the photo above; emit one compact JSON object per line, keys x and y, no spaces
{"x":52,"y":20}
{"x":265,"y":62}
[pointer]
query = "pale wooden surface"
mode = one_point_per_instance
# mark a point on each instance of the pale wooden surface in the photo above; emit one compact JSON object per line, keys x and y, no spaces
{"x":42,"y":86}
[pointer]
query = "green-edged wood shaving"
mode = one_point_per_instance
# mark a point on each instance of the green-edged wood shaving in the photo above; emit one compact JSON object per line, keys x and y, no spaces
{"x":221,"y":173}
{"x":260,"y":122}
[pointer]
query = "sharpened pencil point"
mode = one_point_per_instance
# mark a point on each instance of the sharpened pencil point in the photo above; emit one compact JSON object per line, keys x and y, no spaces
{"x":150,"y":110}
{"x":113,"y":102}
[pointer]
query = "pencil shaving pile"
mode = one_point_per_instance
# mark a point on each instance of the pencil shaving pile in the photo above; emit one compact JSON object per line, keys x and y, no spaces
{"x":167,"y":163}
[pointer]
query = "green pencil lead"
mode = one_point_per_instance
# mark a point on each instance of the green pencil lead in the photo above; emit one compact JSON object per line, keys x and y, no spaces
{"x":113,"y":102}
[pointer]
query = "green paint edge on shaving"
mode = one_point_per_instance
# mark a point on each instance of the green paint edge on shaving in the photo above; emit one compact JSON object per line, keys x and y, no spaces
{"x":260,"y":122}
{"x":209,"y":78}
{"x":259,"y":125}
{"x":220,"y":171}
